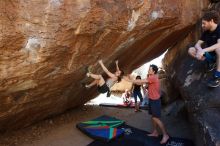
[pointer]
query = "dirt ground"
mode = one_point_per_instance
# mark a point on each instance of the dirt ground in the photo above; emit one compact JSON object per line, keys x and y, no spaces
{"x":61,"y":130}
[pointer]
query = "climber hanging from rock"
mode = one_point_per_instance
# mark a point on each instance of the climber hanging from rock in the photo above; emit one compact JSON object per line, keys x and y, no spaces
{"x":211,"y":38}
{"x":104,"y":86}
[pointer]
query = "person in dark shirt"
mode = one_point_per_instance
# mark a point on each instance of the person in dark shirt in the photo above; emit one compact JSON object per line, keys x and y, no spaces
{"x":211,"y":50}
{"x":137,"y":93}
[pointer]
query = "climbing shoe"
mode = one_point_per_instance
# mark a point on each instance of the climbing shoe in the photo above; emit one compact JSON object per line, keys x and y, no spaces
{"x":215,"y":82}
{"x":108,"y":93}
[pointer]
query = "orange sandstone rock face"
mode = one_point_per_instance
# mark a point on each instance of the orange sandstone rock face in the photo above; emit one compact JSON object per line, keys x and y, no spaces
{"x":45,"y":46}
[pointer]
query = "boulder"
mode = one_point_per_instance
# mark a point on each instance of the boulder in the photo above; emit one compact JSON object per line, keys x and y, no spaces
{"x":190,"y":78}
{"x":45,"y":47}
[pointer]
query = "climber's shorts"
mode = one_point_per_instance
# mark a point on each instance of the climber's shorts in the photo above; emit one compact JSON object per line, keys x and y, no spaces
{"x":103,"y":89}
{"x":155,"y":108}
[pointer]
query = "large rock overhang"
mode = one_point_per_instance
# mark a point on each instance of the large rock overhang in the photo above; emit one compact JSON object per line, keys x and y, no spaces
{"x":45,"y":47}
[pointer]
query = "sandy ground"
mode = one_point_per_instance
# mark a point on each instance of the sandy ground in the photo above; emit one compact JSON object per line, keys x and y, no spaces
{"x":61,"y":130}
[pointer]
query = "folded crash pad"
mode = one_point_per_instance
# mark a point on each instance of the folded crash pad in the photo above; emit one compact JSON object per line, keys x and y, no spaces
{"x":102,"y":128}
